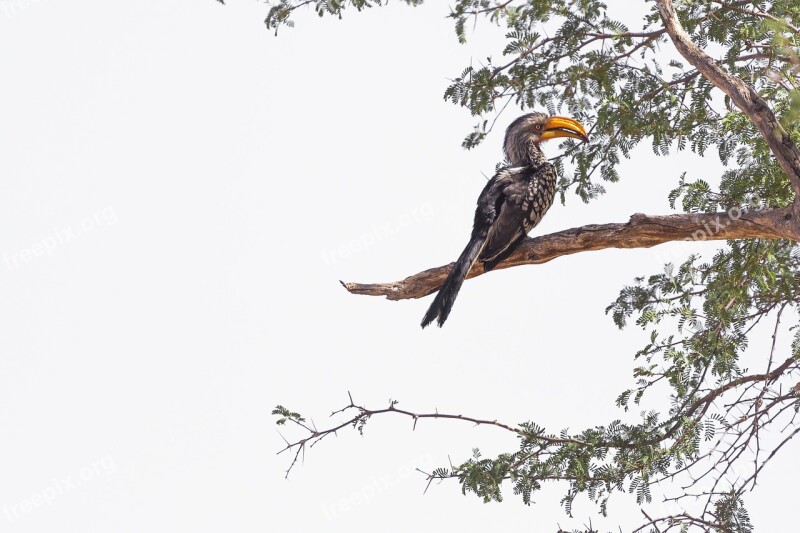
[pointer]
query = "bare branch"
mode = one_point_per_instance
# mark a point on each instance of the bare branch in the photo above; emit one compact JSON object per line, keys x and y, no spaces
{"x":642,"y":231}
{"x":362,"y":414}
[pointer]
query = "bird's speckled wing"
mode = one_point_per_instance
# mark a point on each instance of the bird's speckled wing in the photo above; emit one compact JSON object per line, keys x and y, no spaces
{"x":490,"y":201}
{"x":507,"y":199}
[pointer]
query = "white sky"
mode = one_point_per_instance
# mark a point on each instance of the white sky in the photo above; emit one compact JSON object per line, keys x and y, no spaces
{"x":176,"y":189}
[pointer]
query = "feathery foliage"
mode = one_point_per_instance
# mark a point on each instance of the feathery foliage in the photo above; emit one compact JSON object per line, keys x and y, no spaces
{"x":576,"y":57}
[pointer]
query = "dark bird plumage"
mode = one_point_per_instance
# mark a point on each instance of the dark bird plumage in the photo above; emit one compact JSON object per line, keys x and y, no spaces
{"x":512,"y":203}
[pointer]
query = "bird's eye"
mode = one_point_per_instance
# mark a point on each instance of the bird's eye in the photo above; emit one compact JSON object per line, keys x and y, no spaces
{"x":538,"y":126}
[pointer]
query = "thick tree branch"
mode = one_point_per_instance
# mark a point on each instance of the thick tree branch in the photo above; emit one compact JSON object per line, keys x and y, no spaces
{"x":641,"y":231}
{"x":742,"y":95}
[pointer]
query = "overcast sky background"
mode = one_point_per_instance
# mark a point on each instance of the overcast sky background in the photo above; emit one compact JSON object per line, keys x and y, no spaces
{"x":180,"y":192}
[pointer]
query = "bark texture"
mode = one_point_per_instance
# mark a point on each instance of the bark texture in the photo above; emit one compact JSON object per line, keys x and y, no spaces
{"x":641,"y":231}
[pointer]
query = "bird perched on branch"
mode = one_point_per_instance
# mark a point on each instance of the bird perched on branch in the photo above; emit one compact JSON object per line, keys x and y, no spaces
{"x":512,"y":203}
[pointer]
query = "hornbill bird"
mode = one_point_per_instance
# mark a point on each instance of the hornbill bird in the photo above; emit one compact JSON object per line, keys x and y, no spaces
{"x":512,"y":203}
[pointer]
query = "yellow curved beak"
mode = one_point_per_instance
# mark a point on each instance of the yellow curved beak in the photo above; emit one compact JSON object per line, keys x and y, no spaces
{"x":564,"y":127}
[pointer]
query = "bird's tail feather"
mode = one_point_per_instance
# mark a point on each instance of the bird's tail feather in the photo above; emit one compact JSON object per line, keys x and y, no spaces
{"x":443,"y":302}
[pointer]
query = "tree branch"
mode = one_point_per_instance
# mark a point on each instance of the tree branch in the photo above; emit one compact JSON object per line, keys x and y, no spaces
{"x":642,"y":231}
{"x":743,"y":95}
{"x":362,"y":415}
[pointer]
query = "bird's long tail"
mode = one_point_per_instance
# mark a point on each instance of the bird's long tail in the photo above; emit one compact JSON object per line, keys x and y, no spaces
{"x":443,"y":302}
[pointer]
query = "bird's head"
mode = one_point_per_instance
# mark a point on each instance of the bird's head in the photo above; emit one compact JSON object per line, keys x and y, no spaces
{"x":529,"y":130}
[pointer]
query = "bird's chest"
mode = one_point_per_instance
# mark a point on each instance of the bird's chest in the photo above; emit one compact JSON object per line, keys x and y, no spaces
{"x":539,"y":195}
